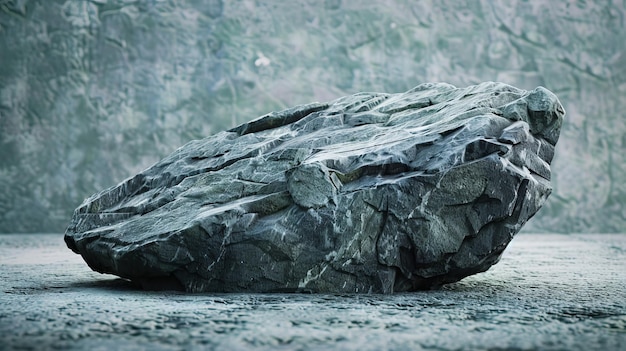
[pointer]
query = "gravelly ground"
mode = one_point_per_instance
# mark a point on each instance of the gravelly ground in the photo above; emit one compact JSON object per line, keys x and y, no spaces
{"x":552,"y":292}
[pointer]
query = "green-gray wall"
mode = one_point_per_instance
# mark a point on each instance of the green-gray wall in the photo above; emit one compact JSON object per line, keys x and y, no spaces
{"x":92,"y":92}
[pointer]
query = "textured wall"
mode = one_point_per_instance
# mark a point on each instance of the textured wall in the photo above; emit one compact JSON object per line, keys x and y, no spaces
{"x":93,"y":91}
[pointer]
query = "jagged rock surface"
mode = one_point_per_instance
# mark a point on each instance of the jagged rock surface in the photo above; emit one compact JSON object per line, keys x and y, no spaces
{"x":372,"y":192}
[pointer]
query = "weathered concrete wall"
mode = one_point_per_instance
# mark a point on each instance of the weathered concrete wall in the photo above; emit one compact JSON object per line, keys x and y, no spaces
{"x":91,"y":92}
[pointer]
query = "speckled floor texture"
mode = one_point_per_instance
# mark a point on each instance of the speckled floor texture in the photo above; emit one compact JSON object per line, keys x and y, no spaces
{"x":549,"y":292}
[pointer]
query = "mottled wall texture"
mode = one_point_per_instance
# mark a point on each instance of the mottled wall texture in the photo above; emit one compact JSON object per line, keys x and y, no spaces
{"x":92,"y":92}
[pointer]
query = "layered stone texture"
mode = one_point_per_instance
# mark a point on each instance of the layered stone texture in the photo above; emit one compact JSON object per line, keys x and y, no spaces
{"x":372,"y":192}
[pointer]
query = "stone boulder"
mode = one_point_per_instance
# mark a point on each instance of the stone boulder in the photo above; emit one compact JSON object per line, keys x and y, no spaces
{"x":372,"y":192}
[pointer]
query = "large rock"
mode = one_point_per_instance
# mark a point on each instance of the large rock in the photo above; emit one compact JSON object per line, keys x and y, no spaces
{"x":372,"y":192}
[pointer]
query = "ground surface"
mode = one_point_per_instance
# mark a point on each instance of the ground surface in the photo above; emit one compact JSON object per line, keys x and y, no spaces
{"x":552,"y":292}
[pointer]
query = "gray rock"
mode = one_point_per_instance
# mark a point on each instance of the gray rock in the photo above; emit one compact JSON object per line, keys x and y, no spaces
{"x":369,"y":193}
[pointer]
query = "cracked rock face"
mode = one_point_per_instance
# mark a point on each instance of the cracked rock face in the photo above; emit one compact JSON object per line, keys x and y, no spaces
{"x":371,"y":192}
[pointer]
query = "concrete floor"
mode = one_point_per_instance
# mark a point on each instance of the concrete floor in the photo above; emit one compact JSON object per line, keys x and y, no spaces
{"x":549,"y":292}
